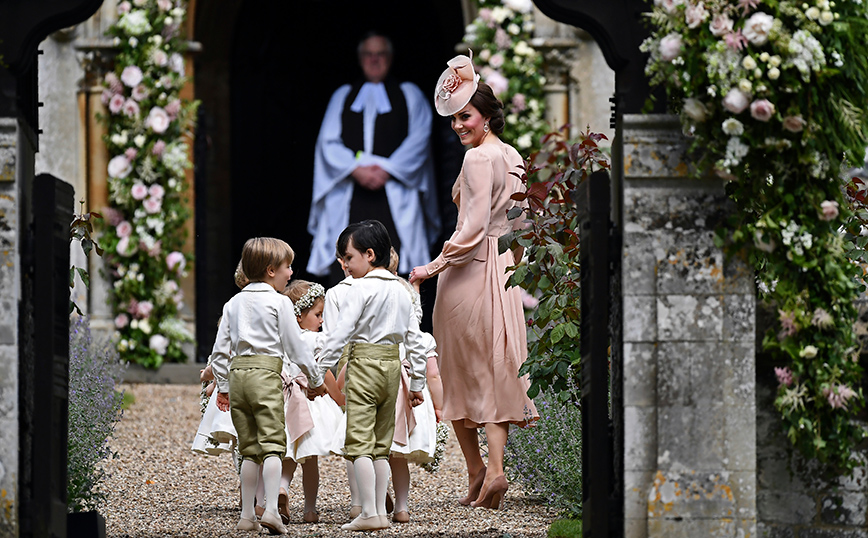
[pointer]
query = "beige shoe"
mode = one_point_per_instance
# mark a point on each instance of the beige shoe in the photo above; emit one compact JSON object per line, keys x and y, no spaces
{"x":366,"y":524}
{"x":355,"y":511}
{"x":245,"y":524}
{"x":401,"y":517}
{"x":384,"y":521}
{"x":273,"y":523}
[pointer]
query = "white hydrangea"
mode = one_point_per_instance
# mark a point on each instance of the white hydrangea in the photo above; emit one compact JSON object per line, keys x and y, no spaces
{"x":806,"y":54}
{"x":135,"y":22}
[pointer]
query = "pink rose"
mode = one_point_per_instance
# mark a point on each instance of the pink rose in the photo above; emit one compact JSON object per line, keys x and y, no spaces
{"x":720,"y":25}
{"x":126,"y":247}
{"x":173,"y":108}
{"x":695,"y":14}
{"x":145,"y":308}
{"x":670,"y":47}
{"x":159,"y":57}
{"x":139,"y":191}
{"x":829,"y":209}
{"x":736,"y":101}
{"x":124,"y":229}
{"x":669,"y":5}
{"x":106,"y":96}
{"x":176,"y":63}
{"x":762,"y":110}
{"x":153,"y":205}
{"x":155,"y":249}
{"x":159,"y":147}
{"x":519,"y":102}
{"x":176,"y":261}
{"x":131,"y":153}
{"x":158,"y":120}
{"x":502,"y":39}
{"x":757,"y":27}
{"x":116,"y":103}
{"x":164,"y":5}
{"x":140,"y":92}
{"x":485,"y":14}
{"x":112,"y":216}
{"x":123,"y":8}
{"x":794,"y":124}
{"x":131,"y":108}
{"x":114,"y":83}
{"x":496,"y":61}
{"x":119,"y":167}
{"x":156,"y":190}
{"x":158,"y":343}
{"x":449,"y":85}
{"x":132,"y":76}
{"x":121,"y":321}
{"x":498,"y":82}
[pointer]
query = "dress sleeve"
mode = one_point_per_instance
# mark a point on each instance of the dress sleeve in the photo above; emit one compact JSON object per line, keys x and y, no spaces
{"x":474,"y":213}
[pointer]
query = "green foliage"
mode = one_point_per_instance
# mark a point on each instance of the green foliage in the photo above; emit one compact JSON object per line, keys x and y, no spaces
{"x":565,"y":528}
{"x":549,"y":269}
{"x":500,"y":39}
{"x":81,"y":230}
{"x":774,"y":108}
{"x":546,"y":456}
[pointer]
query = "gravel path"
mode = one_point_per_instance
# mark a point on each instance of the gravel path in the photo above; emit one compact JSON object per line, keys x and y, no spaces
{"x":159,"y":487}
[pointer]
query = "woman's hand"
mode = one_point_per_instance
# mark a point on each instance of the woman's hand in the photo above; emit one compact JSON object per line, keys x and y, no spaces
{"x":416,"y":398}
{"x":419,"y":274}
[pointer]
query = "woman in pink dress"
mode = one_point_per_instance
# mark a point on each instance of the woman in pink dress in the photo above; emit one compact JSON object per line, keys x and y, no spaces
{"x":478,"y":323}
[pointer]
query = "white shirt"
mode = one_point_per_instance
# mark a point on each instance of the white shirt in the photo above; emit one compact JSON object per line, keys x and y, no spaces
{"x":333,"y":298}
{"x":376,"y":309}
{"x":260,"y":321}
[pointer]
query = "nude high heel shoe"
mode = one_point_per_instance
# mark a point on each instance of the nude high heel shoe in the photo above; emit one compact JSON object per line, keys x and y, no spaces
{"x":475,"y":486}
{"x":493,"y":495}
{"x":283,"y":506}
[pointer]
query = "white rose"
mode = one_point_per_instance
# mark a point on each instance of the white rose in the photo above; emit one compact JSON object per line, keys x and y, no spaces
{"x":695,"y":109}
{"x":745,"y":85}
{"x":826,"y":18}
{"x":720,"y":25}
{"x":158,"y":120}
{"x":749,"y":63}
{"x":732,"y":127}
{"x":757,"y":27}
{"x":809,"y":352}
{"x":774,"y":73}
{"x":139,"y":140}
{"x":775,"y":61}
{"x":812,"y":13}
{"x":736,"y":101}
{"x":670,"y":47}
{"x":522,"y":6}
{"x":158,"y":343}
{"x":119,"y":167}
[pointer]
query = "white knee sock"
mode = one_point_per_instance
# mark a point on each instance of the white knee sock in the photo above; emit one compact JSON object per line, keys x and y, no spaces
{"x":260,"y":490}
{"x":354,"y":486}
{"x":310,"y":483}
{"x":249,"y":481}
{"x":367,"y":483}
{"x":271,"y":479}
{"x":381,"y":471}
{"x":401,"y":483}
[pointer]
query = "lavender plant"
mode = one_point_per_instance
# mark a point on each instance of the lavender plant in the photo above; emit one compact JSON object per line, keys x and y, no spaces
{"x":95,"y":371}
{"x":546,"y":458}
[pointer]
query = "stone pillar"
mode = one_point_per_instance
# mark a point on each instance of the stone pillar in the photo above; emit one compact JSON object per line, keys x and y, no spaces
{"x":14,"y":151}
{"x":689,"y":370}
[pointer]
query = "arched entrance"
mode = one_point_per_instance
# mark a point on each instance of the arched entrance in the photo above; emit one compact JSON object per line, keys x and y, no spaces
{"x":264,"y":78}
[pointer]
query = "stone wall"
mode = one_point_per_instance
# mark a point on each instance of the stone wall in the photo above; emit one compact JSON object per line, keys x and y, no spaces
{"x":11,"y":156}
{"x":689,"y":378}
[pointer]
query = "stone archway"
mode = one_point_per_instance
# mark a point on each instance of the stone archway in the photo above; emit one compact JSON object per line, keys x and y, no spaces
{"x":264,"y":78}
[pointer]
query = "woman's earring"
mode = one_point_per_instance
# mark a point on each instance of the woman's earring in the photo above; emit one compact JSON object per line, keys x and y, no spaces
{"x":485,"y":127}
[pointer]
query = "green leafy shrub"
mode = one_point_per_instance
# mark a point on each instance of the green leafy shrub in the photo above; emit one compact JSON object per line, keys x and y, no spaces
{"x":550,"y":268}
{"x":95,"y":371}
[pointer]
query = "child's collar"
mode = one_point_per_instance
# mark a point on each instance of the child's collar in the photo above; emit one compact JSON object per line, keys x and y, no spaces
{"x":259,"y":286}
{"x":381,"y":273}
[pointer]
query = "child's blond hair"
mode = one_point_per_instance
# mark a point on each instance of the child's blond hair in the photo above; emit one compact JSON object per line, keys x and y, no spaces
{"x":241,"y":279}
{"x":393,"y":261}
{"x":260,"y":253}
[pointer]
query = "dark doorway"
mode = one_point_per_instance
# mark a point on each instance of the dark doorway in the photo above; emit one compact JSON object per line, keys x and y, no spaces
{"x":276,"y":68}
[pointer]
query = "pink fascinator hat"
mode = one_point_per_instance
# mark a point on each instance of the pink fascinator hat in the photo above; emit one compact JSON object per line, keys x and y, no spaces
{"x":456,"y":85}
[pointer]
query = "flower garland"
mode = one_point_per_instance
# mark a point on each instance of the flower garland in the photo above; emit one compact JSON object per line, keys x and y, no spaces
{"x":770,"y":90}
{"x":500,"y":40}
{"x":147,"y":128}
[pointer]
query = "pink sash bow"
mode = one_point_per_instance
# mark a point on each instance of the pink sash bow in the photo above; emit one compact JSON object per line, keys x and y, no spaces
{"x":405,"y":420}
{"x":298,"y":418}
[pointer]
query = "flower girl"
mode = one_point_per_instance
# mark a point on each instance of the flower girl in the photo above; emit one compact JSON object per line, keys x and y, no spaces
{"x":310,"y":425}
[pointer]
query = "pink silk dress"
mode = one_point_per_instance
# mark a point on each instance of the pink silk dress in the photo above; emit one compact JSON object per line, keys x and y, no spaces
{"x":479,"y":326}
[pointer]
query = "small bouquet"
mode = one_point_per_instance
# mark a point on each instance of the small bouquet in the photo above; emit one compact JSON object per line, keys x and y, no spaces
{"x":442,"y":435}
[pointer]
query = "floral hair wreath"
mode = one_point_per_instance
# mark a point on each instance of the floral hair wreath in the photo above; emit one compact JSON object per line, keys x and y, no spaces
{"x":311,"y":295}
